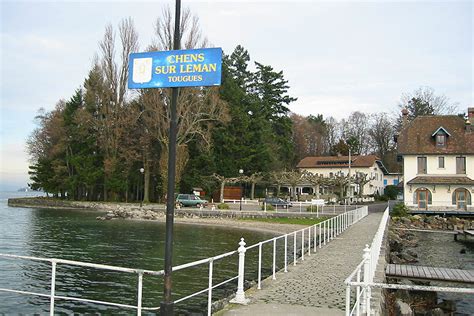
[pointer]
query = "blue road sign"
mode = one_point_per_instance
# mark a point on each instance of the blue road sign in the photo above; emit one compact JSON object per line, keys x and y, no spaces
{"x":175,"y":68}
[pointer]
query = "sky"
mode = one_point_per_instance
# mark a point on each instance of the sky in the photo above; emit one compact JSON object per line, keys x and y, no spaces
{"x":338,"y":56}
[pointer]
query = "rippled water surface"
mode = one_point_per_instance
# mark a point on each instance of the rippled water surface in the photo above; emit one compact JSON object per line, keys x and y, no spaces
{"x":77,"y":235}
{"x":440,"y":250}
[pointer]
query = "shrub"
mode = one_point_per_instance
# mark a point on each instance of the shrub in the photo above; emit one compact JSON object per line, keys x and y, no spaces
{"x":269,"y":207}
{"x":223,"y":206}
{"x":313,"y":208}
{"x":391,"y":191}
{"x":399,"y":210}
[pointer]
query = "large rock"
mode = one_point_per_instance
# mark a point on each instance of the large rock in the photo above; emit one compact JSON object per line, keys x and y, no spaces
{"x":402,"y":309}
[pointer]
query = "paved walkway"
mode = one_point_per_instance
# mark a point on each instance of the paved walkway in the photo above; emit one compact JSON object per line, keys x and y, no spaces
{"x":316,"y":285}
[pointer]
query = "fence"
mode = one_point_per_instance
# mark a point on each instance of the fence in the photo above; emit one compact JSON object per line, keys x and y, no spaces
{"x":359,"y":302}
{"x":296,"y":206}
{"x":311,"y":238}
{"x":366,"y":270}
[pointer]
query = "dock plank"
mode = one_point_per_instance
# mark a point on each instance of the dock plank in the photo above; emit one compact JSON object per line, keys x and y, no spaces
{"x":430,"y":273}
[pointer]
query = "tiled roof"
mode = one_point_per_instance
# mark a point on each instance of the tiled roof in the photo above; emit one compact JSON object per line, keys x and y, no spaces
{"x":416,"y":137}
{"x":463,"y":180}
{"x":337,"y":161}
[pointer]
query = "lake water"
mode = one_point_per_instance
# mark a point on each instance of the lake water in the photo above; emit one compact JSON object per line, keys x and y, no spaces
{"x":440,"y":250}
{"x":77,"y":235}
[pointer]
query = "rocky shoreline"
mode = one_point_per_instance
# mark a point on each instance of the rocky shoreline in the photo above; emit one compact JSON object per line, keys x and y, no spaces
{"x":156,"y":212}
{"x":403,"y":243}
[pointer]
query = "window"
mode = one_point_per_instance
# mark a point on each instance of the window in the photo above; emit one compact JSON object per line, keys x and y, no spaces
{"x":422,"y":197}
{"x":440,"y":140}
{"x":461,"y":165}
{"x":461,"y":198}
{"x":385,"y":182}
{"x":441,"y":162}
{"x":421,"y":165}
{"x":395,"y":181}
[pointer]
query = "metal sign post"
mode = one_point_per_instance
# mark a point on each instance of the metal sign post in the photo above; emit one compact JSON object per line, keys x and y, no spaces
{"x":167,"y":305}
{"x":174,"y":69}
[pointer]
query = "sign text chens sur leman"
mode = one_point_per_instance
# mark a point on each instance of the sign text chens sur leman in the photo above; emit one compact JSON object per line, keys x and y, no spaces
{"x":175,"y":68}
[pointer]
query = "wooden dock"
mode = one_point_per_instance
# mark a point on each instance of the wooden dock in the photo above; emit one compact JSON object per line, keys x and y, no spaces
{"x":429,"y":273}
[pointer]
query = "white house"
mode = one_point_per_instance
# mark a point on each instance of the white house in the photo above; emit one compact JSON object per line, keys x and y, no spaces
{"x":438,"y":162}
{"x":328,"y":166}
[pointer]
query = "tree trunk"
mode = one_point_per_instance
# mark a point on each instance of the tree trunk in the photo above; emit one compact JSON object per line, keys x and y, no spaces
{"x":146,"y":188}
{"x":221,"y":196}
{"x":252,"y":191}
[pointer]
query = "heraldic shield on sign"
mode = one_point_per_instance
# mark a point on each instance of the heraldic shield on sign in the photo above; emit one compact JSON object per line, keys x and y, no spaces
{"x":142,"y":70}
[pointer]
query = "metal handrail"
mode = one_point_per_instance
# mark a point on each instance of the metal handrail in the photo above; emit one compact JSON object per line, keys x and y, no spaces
{"x":366,"y":268}
{"x":323,"y":232}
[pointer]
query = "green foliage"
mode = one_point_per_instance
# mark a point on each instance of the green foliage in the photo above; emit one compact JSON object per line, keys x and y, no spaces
{"x":269,"y":207}
{"x":223,"y":206}
{"x":91,"y":147}
{"x":399,"y":210}
{"x":391,"y":191}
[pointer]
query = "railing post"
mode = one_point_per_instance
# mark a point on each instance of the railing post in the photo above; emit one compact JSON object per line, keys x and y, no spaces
{"x":320,"y":232}
{"x":139,"y":294}
{"x":209,"y":294}
{"x":274,"y":258}
{"x":302,"y":244}
{"x":294,"y":248}
{"x":259,"y":265}
{"x":315,"y":242}
{"x":240,"y":294}
{"x":286,"y":253}
{"x":53,"y":287}
{"x":324,"y":231}
{"x":358,"y":294}
{"x":348,"y":299}
{"x":367,"y":280}
{"x":309,"y":241}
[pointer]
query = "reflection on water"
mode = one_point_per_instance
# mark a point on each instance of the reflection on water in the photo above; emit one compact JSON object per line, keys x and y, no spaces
{"x":77,"y":235}
{"x":440,"y":250}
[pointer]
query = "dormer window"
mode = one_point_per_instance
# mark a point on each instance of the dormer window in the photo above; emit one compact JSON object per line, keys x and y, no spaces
{"x":440,"y":140}
{"x":441,"y":136}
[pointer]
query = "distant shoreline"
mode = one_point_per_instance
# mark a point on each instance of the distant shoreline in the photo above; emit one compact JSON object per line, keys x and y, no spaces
{"x":206,"y":217}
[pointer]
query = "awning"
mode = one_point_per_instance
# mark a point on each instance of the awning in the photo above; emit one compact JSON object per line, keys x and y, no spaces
{"x":459,"y":180}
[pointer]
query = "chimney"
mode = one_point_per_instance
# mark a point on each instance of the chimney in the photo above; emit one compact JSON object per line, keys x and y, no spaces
{"x":404,"y":117}
{"x":470,"y":120}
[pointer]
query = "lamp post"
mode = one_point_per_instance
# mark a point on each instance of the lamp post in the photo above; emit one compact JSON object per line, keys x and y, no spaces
{"x":142,"y":171}
{"x":241,"y":172}
{"x":349,"y":175}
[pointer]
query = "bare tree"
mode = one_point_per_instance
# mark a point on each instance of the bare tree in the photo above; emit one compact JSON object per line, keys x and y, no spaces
{"x":254,"y":179}
{"x":424,"y":101}
{"x":361,"y":179}
{"x":315,"y":180}
{"x":356,"y":127}
{"x":198,"y":109}
{"x":110,"y":90}
{"x":381,"y":132}
{"x":332,"y":133}
{"x":223,"y":181}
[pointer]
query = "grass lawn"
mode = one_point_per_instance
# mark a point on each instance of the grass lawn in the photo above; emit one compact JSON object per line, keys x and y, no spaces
{"x":284,"y":220}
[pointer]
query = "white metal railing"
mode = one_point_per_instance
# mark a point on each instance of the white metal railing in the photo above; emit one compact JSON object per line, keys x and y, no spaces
{"x":366,"y":269}
{"x":311,"y":238}
{"x":364,"y":277}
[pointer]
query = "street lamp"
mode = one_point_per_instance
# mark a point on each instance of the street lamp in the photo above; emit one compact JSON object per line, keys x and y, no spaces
{"x":142,"y":171}
{"x":241,"y":172}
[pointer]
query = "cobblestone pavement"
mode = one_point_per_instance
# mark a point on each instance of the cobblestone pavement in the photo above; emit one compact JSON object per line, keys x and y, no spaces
{"x":316,"y":283}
